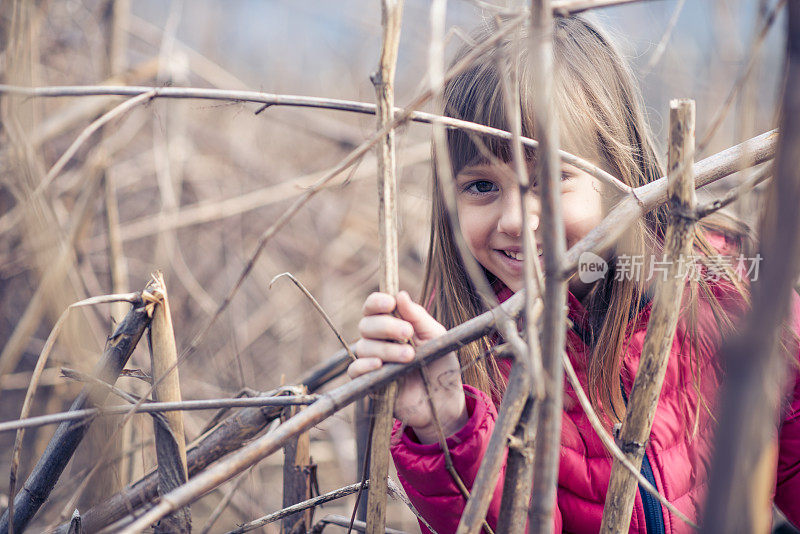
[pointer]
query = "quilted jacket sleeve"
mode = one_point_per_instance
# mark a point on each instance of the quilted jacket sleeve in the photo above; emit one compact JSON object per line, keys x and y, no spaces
{"x":787,"y":491}
{"x":424,"y":476}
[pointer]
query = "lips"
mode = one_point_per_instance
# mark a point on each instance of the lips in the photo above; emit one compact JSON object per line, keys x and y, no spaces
{"x":515,"y":253}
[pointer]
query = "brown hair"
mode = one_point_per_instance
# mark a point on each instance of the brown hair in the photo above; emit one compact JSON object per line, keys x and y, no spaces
{"x":598,"y":106}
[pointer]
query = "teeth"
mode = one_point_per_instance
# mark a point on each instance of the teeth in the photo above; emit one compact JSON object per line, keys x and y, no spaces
{"x":515,"y":255}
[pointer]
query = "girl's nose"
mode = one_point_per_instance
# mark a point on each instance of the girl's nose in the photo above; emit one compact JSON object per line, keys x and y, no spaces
{"x":510,"y":221}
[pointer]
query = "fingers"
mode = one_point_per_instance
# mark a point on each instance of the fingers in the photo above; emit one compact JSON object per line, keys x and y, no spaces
{"x":385,"y":327}
{"x":379,"y":303}
{"x":384,"y":350}
{"x":425,"y":326}
{"x":362,"y":366}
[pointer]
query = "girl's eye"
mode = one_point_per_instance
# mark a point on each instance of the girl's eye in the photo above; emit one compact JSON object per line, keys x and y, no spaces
{"x":480,"y":187}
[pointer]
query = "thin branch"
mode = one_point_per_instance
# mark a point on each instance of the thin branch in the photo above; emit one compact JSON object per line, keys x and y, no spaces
{"x":704,"y":210}
{"x":226,"y":499}
{"x":155,"y":407}
{"x":722,"y":112}
{"x":519,"y":465}
{"x":341,"y":521}
{"x":565,"y":8}
{"x":299,"y":507}
{"x":271,"y":99}
{"x":662,"y":44}
{"x":318,"y":307}
{"x":548,"y":170}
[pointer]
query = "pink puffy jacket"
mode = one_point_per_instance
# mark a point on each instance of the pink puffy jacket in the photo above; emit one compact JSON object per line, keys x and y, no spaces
{"x":675,"y":461}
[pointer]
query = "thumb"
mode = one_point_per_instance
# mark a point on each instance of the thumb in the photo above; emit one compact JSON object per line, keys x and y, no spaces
{"x":425,"y":326}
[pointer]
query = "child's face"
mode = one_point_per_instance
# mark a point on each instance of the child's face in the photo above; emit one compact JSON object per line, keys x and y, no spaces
{"x":490,"y":216}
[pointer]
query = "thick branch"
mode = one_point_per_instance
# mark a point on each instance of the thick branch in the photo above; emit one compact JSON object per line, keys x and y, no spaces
{"x":663,"y":320}
{"x":743,"y":468}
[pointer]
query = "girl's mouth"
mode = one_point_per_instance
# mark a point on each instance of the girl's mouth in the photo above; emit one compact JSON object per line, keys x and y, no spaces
{"x":516,"y":255}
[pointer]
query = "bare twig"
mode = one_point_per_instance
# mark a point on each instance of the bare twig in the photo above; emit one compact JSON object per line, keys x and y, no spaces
{"x":704,"y":210}
{"x":310,"y":503}
{"x":226,"y":499}
{"x":548,"y":170}
{"x":519,"y":464}
{"x":662,"y":44}
{"x":722,"y":112}
{"x":407,"y":114}
{"x":383,"y":402}
{"x":155,"y":407}
{"x":318,"y":307}
{"x":341,"y":521}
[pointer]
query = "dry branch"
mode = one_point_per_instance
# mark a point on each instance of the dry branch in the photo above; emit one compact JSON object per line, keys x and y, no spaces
{"x":704,"y":210}
{"x":514,"y":398}
{"x":646,"y":391}
{"x":407,"y":114}
{"x":317,"y":307}
{"x":69,"y":434}
{"x":341,"y":521}
{"x":548,"y":171}
{"x":383,"y":402}
{"x":157,"y":407}
{"x":743,"y":469}
{"x":170,"y":442}
{"x":649,"y":196}
{"x":297,"y":478}
{"x":316,"y":501}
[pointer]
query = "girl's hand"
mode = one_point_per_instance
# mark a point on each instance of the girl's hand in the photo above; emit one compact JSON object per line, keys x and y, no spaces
{"x":384,"y":338}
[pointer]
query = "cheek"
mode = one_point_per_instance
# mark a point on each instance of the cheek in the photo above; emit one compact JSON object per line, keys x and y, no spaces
{"x":474,"y":228}
{"x":580,"y":217}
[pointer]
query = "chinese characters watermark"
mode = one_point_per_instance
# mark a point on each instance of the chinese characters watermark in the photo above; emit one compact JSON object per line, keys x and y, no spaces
{"x":592,"y":267}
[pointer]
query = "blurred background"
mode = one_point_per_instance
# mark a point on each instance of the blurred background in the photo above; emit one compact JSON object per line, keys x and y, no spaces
{"x":190,"y":185}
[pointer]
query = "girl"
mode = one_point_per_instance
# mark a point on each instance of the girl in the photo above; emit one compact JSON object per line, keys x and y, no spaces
{"x":599,"y":112}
